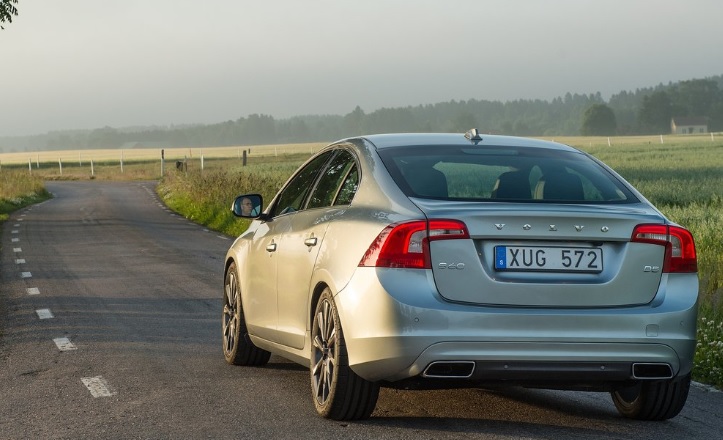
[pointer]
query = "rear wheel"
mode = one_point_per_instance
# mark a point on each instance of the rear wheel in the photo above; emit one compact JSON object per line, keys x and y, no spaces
{"x":653,"y":400}
{"x":237,"y":346}
{"x":338,"y":392}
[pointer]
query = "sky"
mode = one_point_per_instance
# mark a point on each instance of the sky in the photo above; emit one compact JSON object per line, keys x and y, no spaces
{"x":84,"y":64}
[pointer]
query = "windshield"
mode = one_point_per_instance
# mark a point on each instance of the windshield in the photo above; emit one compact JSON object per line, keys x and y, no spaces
{"x":508,"y":174}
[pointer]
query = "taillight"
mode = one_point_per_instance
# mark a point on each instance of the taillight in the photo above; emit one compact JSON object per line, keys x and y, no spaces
{"x":406,"y":245}
{"x":680,"y":253}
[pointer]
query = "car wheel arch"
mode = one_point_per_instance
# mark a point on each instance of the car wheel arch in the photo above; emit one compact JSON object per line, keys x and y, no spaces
{"x":315,"y":295}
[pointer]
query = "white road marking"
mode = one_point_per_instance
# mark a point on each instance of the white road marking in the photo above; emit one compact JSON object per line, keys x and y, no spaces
{"x":98,"y":386}
{"x":14,"y":240}
{"x":17,"y":250}
{"x":14,"y":231}
{"x":26,"y":275}
{"x":64,"y":344}
{"x":16,"y":225}
{"x":222,"y":237}
{"x":20,"y":261}
{"x":45,"y":314}
{"x":33,"y":291}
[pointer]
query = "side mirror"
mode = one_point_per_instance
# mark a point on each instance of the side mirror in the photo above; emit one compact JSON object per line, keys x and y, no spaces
{"x":248,"y":206}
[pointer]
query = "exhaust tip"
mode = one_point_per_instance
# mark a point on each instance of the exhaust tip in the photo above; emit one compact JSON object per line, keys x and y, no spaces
{"x":652,"y":371}
{"x":449,"y":369}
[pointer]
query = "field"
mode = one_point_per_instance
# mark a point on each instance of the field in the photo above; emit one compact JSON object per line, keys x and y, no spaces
{"x":681,"y":175}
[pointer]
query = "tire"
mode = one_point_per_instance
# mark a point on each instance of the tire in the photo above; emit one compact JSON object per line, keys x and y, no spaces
{"x":237,"y":346}
{"x":338,"y":392}
{"x":653,"y":400}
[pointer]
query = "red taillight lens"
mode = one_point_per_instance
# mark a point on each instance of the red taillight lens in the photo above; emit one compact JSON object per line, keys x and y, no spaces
{"x":406,"y":245}
{"x":680,"y":253}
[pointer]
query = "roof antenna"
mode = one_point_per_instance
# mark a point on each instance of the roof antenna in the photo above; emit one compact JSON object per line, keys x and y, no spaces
{"x":473,"y":135}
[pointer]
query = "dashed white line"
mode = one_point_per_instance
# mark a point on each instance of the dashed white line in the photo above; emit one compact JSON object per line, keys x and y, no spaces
{"x":17,"y":250}
{"x":14,"y":240}
{"x":20,"y":261}
{"x":98,"y":386}
{"x":64,"y":344}
{"x":15,"y":231}
{"x":45,"y":314}
{"x":26,"y":275}
{"x":16,"y":225}
{"x":33,"y":291}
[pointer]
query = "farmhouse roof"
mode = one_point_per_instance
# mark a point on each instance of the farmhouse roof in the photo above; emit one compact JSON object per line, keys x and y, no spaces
{"x":690,"y":120}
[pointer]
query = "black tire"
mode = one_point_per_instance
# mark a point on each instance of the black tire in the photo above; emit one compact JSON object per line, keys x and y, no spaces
{"x":237,"y":346}
{"x":653,"y":400}
{"x":338,"y":392}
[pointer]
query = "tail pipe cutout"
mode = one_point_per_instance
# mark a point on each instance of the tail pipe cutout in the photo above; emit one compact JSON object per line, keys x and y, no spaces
{"x":449,"y":369}
{"x":652,"y":371}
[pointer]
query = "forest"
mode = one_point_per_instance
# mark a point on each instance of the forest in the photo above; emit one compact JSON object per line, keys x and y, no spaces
{"x":644,"y":111}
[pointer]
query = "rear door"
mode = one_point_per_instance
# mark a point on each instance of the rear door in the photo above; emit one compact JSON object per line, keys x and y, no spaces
{"x":300,"y":245}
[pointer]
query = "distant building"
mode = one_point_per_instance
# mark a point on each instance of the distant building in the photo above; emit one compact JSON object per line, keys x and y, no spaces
{"x":688,"y":125}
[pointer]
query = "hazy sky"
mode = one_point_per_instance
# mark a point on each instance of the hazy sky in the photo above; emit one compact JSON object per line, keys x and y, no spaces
{"x":93,"y":63}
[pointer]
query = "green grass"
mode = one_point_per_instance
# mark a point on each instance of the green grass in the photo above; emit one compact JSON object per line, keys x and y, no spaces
{"x":19,"y":189}
{"x":205,"y":196}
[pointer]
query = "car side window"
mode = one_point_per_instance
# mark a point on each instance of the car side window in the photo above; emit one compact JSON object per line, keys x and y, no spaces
{"x":294,"y":193}
{"x":332,"y":180}
{"x":349,"y":187}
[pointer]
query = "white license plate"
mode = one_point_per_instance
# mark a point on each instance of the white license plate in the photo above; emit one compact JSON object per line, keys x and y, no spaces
{"x":553,"y":259}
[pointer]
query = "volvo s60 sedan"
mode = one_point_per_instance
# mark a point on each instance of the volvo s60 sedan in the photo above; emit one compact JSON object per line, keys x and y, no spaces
{"x":448,"y":260}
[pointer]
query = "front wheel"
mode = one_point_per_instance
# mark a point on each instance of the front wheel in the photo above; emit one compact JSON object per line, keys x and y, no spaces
{"x":654,"y":399}
{"x":237,"y":346}
{"x":338,"y":392}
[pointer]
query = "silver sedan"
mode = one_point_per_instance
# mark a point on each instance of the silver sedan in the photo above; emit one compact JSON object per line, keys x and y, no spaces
{"x":447,"y":260}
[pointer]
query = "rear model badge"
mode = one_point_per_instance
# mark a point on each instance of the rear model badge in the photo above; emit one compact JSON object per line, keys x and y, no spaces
{"x":451,"y":266}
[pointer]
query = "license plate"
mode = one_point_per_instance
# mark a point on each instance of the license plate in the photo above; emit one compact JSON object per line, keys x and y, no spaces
{"x":552,"y":259}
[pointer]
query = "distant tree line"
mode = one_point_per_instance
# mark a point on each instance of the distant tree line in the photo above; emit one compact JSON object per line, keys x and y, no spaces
{"x":645,"y":111}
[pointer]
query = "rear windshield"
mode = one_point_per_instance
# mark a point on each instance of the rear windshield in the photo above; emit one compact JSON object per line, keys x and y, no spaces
{"x":510,"y":174}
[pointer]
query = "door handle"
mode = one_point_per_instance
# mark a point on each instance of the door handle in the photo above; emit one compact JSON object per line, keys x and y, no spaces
{"x":310,"y":241}
{"x":271,"y":247}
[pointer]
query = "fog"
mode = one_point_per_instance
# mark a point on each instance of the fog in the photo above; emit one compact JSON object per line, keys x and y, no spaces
{"x":82,"y":64}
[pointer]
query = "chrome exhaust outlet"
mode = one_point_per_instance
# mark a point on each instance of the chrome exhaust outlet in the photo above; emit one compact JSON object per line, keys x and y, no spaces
{"x":652,"y":371}
{"x":449,"y":369}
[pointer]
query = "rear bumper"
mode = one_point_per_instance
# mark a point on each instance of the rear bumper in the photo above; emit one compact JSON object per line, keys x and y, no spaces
{"x":396,"y":325}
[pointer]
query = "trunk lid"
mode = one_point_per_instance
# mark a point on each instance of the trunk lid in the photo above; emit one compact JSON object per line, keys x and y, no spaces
{"x":546,"y":255}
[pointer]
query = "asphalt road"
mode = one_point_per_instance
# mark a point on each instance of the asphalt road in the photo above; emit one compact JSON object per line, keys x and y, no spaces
{"x":110,"y":311}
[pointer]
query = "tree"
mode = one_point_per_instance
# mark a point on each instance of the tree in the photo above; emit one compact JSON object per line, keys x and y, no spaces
{"x":655,"y":113}
{"x":599,"y":120}
{"x":697,"y":96}
{"x":7,"y":10}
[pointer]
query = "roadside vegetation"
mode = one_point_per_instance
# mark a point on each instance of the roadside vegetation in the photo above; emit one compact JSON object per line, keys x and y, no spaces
{"x":683,"y":178}
{"x":19,"y":189}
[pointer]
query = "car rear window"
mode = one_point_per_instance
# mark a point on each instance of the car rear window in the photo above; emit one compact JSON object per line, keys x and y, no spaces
{"x":509,"y":174}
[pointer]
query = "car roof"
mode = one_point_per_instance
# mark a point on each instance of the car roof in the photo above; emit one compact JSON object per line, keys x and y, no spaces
{"x":383,"y":141}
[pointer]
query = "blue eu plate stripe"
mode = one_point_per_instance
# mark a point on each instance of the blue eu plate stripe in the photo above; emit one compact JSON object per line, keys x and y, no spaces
{"x":501,"y":257}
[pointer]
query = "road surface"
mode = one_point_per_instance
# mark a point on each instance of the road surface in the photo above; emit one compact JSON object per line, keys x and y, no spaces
{"x":110,"y":311}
